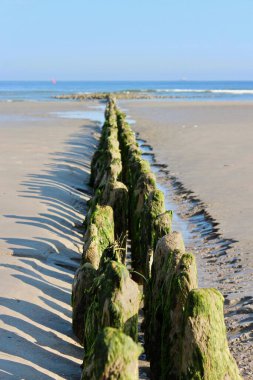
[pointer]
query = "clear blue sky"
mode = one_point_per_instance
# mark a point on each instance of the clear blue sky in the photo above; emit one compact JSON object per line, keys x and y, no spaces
{"x":126,"y":39}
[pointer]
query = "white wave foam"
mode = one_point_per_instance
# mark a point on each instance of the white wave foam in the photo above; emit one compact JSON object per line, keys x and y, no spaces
{"x":239,"y":92}
{"x":185,"y":90}
{"x":180,"y":90}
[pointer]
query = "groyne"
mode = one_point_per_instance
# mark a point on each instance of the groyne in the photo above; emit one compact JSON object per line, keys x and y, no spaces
{"x":185,"y":335}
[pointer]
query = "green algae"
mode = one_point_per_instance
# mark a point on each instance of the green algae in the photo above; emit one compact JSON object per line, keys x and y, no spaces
{"x":175,"y":296}
{"x":106,"y":162}
{"x":116,"y":300}
{"x":80,"y":299}
{"x":205,"y":352}
{"x":153,"y":207}
{"x":114,"y":356}
{"x":166,"y":261}
{"x":162,"y":225}
{"x":115,"y":194}
{"x":99,"y":235}
{"x":103,"y":219}
{"x":107,"y":166}
{"x":91,"y":251}
{"x":144,"y":187}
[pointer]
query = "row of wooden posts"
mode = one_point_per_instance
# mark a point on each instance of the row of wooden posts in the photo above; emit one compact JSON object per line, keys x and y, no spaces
{"x":185,"y":335}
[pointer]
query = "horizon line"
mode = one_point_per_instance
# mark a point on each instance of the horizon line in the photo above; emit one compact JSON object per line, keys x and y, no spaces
{"x":126,"y":80}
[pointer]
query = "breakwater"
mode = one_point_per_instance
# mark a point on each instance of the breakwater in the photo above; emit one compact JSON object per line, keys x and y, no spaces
{"x":105,"y":95}
{"x":185,"y":336}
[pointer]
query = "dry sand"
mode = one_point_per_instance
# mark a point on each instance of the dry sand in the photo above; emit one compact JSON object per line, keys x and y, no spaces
{"x":208,"y":148}
{"x":44,"y":170}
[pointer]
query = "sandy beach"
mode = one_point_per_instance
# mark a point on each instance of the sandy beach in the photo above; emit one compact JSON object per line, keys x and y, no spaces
{"x":126,"y":186}
{"x":45,"y":157}
{"x":207,"y":146}
{"x":44,"y":163}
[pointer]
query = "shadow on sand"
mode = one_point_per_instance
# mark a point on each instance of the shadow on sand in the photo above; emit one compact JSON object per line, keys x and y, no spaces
{"x":63,"y":189}
{"x":40,"y":332}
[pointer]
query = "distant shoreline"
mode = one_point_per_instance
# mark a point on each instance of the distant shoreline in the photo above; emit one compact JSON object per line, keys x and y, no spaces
{"x":105,"y":95}
{"x":172,"y":90}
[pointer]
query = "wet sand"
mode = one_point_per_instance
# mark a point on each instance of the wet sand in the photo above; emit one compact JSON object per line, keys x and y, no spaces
{"x":45,"y":165}
{"x":207,"y":151}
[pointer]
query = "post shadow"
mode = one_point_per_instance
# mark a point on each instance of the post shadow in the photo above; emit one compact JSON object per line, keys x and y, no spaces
{"x":63,"y":188}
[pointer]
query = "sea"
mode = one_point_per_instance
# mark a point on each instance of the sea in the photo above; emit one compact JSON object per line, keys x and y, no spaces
{"x":11,"y":91}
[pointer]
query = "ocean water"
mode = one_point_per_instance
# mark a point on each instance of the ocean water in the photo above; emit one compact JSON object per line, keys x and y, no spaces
{"x":177,"y":90}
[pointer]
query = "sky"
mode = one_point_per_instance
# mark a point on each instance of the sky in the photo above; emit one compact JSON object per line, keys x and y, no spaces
{"x":126,"y":39}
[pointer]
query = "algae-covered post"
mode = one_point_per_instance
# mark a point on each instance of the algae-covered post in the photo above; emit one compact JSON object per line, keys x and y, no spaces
{"x":115,"y":302}
{"x":99,"y":235}
{"x":146,"y":202}
{"x":205,"y":352}
{"x":103,"y":292}
{"x":81,"y":298}
{"x":115,"y":194}
{"x":114,"y":355}
{"x":181,"y":283}
{"x":166,"y":261}
{"x":106,"y":175}
{"x":185,"y":336}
